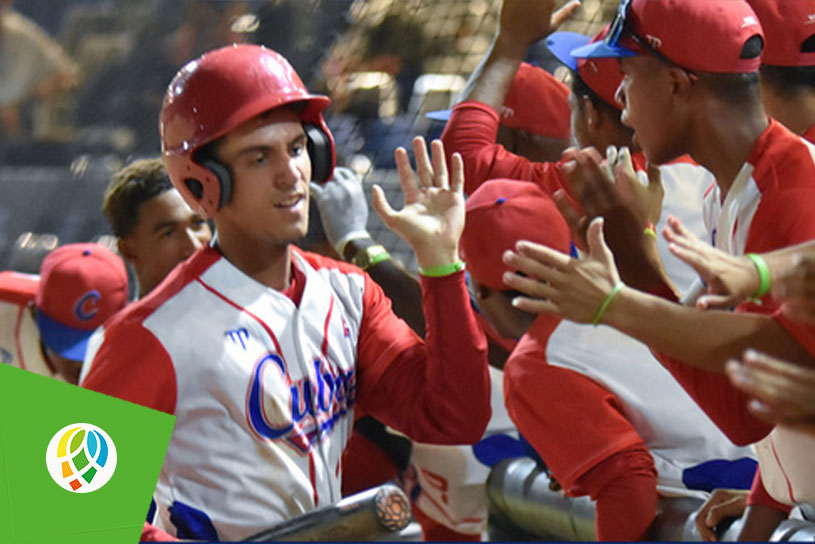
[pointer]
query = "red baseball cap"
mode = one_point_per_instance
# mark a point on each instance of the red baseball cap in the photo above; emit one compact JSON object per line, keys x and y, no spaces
{"x":501,"y":212}
{"x":81,"y":286}
{"x":603,"y":76}
{"x":702,"y":35}
{"x":787,"y":26}
{"x":536,"y":102}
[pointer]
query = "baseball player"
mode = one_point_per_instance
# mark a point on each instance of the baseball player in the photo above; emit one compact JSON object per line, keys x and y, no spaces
{"x":263,"y":351}
{"x":48,"y":319}
{"x":155,"y":228}
{"x":606,"y":418}
{"x":691,"y":85}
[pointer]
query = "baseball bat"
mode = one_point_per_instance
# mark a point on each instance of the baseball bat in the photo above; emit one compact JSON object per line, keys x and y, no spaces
{"x":369,"y":515}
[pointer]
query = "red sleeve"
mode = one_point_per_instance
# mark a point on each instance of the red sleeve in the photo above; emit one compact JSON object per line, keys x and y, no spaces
{"x":471,"y":131}
{"x":18,"y":288}
{"x":132,"y":365}
{"x":436,"y":391}
{"x":725,"y":405}
{"x":758,"y":495}
{"x":783,"y":219}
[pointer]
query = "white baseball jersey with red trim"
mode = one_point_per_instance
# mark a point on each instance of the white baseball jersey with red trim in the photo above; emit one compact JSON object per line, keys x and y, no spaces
{"x":264,"y":389}
{"x":19,"y":335}
{"x":785,"y":456}
{"x":767,"y":206}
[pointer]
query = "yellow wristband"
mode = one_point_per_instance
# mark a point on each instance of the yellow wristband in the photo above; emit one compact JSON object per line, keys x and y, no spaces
{"x":443,"y":270}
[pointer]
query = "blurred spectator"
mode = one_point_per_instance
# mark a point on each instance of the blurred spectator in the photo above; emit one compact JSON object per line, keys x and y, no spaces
{"x":207,"y":25}
{"x":33,"y":70}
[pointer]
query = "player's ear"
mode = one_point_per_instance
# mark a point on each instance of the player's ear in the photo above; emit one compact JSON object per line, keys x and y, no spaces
{"x":590,"y":113}
{"x":126,"y":250}
{"x":681,"y":82}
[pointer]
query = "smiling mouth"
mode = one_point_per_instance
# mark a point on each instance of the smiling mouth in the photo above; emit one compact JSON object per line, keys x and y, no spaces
{"x":289,"y":202}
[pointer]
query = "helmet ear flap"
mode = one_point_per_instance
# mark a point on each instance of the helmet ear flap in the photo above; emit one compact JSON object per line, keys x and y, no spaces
{"x":224,"y":178}
{"x":319,"y":147}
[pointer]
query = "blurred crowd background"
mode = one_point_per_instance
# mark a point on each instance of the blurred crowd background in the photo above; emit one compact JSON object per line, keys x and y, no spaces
{"x":81,"y":85}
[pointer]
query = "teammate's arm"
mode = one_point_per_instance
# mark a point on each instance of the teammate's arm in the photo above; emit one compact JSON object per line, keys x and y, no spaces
{"x":576,"y":289}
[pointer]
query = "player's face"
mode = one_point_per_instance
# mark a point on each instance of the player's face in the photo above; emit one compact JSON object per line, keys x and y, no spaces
{"x":645,"y":93}
{"x":167,"y":232}
{"x":271,"y":171}
{"x":66,"y":369}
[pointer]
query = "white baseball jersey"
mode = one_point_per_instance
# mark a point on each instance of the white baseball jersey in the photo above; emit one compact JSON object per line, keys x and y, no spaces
{"x":447,"y":482}
{"x":264,"y":385}
{"x":785,"y":456}
{"x":19,"y":335}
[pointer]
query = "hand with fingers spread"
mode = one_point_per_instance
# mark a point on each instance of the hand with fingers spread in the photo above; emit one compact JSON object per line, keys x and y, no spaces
{"x":433,"y":216}
{"x":625,"y":214}
{"x":730,"y":279}
{"x":555,"y":283}
{"x":722,"y":503}
{"x":782,"y":393}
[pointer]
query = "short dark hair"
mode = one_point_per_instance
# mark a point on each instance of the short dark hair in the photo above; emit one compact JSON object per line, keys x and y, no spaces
{"x":131,"y":187}
{"x":736,"y":89}
{"x":788,"y":81}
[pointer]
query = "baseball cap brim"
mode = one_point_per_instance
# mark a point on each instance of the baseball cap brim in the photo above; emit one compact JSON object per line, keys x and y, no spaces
{"x":561,"y":44}
{"x":66,"y":341}
{"x":601,"y":50}
{"x":439,"y":115}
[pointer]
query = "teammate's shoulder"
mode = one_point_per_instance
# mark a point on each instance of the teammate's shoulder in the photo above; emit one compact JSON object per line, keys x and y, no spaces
{"x":181,"y":276}
{"x":777,"y":140}
{"x":17,"y":287}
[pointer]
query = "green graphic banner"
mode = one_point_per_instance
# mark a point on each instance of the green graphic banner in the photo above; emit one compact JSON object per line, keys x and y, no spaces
{"x":76,"y":466}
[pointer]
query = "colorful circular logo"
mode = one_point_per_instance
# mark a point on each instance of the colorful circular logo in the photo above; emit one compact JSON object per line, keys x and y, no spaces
{"x":81,"y":457}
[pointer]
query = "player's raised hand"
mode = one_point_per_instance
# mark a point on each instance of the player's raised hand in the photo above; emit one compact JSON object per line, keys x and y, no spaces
{"x":730,"y":279}
{"x":433,"y":216}
{"x":527,"y":21}
{"x":556,"y":283}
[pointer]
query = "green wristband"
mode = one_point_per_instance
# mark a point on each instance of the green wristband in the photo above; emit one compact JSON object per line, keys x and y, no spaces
{"x":601,"y":311}
{"x":763,"y":275}
{"x":443,"y":270}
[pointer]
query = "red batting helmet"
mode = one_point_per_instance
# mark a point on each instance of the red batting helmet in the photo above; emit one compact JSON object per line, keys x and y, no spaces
{"x":217,"y":92}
